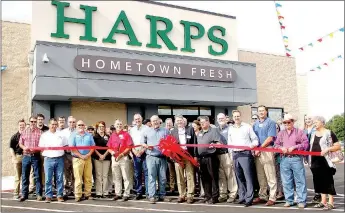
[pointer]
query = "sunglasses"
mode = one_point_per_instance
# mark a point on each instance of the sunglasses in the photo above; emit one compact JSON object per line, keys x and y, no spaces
{"x":287,"y":122}
{"x":254,"y":118}
{"x":33,"y":121}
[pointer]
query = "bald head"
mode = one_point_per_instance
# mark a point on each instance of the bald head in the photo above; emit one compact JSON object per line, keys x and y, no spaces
{"x":221,"y":119}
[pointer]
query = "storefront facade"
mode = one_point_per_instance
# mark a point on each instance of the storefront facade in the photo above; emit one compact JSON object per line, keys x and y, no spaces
{"x":110,"y":60}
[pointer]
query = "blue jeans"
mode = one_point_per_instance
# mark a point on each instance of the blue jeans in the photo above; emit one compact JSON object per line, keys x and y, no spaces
{"x":292,"y":171}
{"x":34,"y":162}
{"x":139,"y":168}
{"x":156,"y":168}
{"x":54,"y":166}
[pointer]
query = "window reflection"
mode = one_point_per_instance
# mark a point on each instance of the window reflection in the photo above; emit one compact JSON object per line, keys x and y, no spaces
{"x":185,"y":110}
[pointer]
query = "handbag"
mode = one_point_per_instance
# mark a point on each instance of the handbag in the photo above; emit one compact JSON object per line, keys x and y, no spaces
{"x":337,"y":156}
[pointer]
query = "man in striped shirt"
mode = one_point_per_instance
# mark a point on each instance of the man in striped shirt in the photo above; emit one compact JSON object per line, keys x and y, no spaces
{"x":28,"y":141}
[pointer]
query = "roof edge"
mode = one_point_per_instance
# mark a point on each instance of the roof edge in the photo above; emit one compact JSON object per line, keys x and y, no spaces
{"x":186,"y":8}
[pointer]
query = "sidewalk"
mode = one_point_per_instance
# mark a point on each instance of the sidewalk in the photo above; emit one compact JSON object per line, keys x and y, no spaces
{"x":7,"y":184}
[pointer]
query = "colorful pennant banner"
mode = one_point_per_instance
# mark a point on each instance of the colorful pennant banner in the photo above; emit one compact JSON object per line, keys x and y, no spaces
{"x":282,"y":29}
{"x":329,"y":35}
{"x":325,"y":64}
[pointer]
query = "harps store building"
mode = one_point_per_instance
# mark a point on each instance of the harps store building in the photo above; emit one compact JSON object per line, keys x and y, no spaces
{"x":103,"y":60}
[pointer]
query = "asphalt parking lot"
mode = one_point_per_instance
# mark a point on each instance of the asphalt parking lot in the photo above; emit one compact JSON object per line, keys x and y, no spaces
{"x":106,"y":205}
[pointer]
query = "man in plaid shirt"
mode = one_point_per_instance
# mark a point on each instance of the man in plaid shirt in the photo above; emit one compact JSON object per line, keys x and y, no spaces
{"x":28,"y":141}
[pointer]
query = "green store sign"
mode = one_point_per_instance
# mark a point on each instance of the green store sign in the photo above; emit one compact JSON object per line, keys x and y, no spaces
{"x":132,"y":38}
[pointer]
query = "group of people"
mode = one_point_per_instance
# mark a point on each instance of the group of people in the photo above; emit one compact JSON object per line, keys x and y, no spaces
{"x":132,"y":161}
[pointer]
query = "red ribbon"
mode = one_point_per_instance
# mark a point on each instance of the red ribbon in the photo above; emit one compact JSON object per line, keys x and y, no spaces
{"x":167,"y":148}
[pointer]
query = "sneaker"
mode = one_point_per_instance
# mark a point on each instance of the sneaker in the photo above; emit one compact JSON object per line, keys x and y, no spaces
{"x":77,"y":199}
{"x":319,"y":205}
{"x":317,"y":198}
{"x":152,"y":200}
{"x":301,"y":205}
{"x":230,"y":200}
{"x":39,"y":198}
{"x":287,"y":204}
{"x":48,"y":200}
{"x":60,"y":199}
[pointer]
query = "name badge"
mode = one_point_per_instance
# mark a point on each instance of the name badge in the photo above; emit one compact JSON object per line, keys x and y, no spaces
{"x":224,"y":131}
{"x":106,"y":138}
{"x":121,"y":136}
{"x":188,"y":137}
{"x":261,"y":125}
{"x":200,"y":134}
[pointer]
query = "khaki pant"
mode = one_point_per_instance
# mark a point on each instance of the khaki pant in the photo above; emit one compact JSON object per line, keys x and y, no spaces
{"x":121,"y":170}
{"x":102,"y":175}
{"x":227,"y":178}
{"x":172,"y":175}
{"x":266,"y":172}
{"x":181,"y":181}
{"x":82,"y":170}
{"x":18,"y":174}
{"x":32,"y":186}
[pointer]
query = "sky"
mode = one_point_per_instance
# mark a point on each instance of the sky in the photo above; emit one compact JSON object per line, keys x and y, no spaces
{"x":258,"y":30}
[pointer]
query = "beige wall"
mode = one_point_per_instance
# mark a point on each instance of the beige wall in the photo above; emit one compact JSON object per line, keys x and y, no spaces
{"x":92,"y":112}
{"x":15,"y":84}
{"x":276,"y":81}
{"x":303,"y":102}
{"x":44,"y":23}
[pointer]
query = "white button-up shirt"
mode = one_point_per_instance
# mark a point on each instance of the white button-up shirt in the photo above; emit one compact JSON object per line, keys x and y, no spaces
{"x":66,"y":133}
{"x":50,"y":139}
{"x":242,"y":135}
{"x":137,"y":133}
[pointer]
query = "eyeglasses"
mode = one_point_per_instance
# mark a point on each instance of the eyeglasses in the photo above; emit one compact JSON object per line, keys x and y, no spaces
{"x":33,"y":121}
{"x":81,"y":124}
{"x":254,"y":118}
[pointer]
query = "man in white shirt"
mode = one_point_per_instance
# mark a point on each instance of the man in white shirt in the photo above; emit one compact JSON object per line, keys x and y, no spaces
{"x":242,"y":134}
{"x":139,"y":157}
{"x":53,"y":160}
{"x":68,"y":169}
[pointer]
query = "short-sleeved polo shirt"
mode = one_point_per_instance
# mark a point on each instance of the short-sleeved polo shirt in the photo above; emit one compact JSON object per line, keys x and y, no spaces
{"x":264,"y":129}
{"x":77,"y":139}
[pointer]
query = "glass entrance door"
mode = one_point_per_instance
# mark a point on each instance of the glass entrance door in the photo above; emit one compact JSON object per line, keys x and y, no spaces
{"x":189,"y":112}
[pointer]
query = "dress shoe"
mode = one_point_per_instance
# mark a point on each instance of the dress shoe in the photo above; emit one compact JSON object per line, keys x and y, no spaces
{"x":180,"y":200}
{"x":258,"y":200}
{"x":222,"y":199}
{"x":270,"y":203}
{"x":125,"y":198}
{"x":190,"y":200}
{"x":247,"y":204}
{"x":48,"y":200}
{"x":22,"y":199}
{"x":60,"y":199}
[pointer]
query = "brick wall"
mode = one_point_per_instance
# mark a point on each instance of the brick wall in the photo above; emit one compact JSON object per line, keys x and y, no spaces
{"x":15,"y":84}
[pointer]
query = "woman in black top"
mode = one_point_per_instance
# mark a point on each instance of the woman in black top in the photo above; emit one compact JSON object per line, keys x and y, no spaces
{"x":324,"y":141}
{"x":102,"y":159}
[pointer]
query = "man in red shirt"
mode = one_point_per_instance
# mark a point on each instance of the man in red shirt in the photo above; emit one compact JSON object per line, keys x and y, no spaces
{"x":28,"y":141}
{"x":120,"y":144}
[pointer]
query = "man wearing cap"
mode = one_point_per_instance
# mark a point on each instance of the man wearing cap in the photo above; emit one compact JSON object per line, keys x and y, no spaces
{"x":265,"y":129}
{"x":291,"y":165}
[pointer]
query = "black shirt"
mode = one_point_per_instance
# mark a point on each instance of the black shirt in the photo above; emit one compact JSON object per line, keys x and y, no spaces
{"x":211,"y":136}
{"x":101,"y":141}
{"x":14,"y":144}
{"x":320,"y":161}
{"x":44,"y":128}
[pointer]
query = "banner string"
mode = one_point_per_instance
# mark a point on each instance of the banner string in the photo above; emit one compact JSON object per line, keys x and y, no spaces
{"x":283,"y":30}
{"x":329,"y":35}
{"x":325,"y":64}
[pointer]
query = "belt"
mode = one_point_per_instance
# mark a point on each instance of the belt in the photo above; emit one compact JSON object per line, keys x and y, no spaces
{"x":222,"y":152}
{"x":54,"y":157}
{"x":32,"y":154}
{"x":288,"y":155}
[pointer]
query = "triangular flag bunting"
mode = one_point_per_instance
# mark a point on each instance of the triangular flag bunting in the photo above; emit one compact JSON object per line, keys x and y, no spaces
{"x":278,"y":13}
{"x":288,"y":49}
{"x":280,"y":23}
{"x":333,"y":59}
{"x":319,"y":67}
{"x":301,"y":48}
{"x":278,"y":5}
{"x":341,"y":29}
{"x":312,"y":70}
{"x":285,"y":37}
{"x":280,"y":17}
{"x":339,"y":56}
{"x":325,"y":64}
{"x":282,"y":27}
{"x":288,"y":55}
{"x":286,"y":41}
{"x":331,"y":35}
{"x":319,"y":40}
{"x":286,"y":45}
{"x":311,"y":44}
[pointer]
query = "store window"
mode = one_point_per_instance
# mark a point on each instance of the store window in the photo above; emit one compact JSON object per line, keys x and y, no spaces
{"x":273,"y":113}
{"x":181,"y":110}
{"x":205,"y":111}
{"x":164,"y":110}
